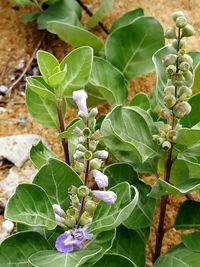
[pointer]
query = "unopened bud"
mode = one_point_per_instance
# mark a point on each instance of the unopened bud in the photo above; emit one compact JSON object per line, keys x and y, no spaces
{"x":186,"y":58}
{"x":165,"y":113}
{"x":177,"y":14}
{"x":184,"y":66}
{"x":81,"y":139}
{"x":178,"y":79}
{"x":101,"y":154}
{"x":170,"y":33}
{"x":83,"y":115}
{"x":93,"y":145}
{"x":87,"y":155}
{"x":166,"y":145}
{"x":169,"y":90}
{"x":75,"y":201}
{"x":93,"y":112}
{"x":85,"y":219}
{"x":79,"y":167}
{"x":170,"y":70}
{"x":188,"y":76}
{"x":78,"y":155}
{"x":8,"y":226}
{"x":58,"y":210}
{"x":96,"y":135}
{"x":181,"y":44}
{"x":160,"y":140}
{"x":90,"y":205}
{"x":170,"y":60}
{"x":60,"y":220}
{"x":70,"y":221}
{"x":72,"y":190}
{"x":181,"y":22}
{"x":171,"y":135}
{"x":73,"y":212}
{"x":100,"y":178}
{"x":170,"y":100}
{"x":188,"y":31}
{"x":81,"y":148}
{"x":77,"y":131}
{"x":181,"y":109}
{"x":83,"y":191}
{"x":95,"y":164}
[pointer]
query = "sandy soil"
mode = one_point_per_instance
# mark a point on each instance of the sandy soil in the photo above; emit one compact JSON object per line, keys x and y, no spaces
{"x":18,"y":41}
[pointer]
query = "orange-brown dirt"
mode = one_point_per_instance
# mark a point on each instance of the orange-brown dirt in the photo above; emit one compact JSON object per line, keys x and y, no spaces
{"x":17,"y":41}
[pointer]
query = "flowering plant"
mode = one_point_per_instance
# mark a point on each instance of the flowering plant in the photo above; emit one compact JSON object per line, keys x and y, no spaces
{"x":95,"y":209}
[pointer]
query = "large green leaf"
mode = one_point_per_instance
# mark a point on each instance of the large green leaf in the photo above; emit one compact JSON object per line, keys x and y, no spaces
{"x":113,"y":260}
{"x":188,"y":136}
{"x":74,"y":35}
{"x":92,"y":252}
{"x":15,"y":250}
{"x":128,"y":243}
{"x":157,"y":95}
{"x":142,"y":215}
{"x":179,"y":256}
{"x":196,"y":60}
{"x":99,"y":14}
{"x":136,"y":44}
{"x":108,"y":81}
{"x":128,"y":134}
{"x":108,"y":217}
{"x":192,"y":241}
{"x":30,"y":205}
{"x":79,"y":65}
{"x":140,"y":100}
{"x":188,"y":216}
{"x":191,"y":154}
{"x":55,"y":178}
{"x":127,"y":18}
{"x":42,"y":110}
{"x":40,"y":153}
{"x":63,"y":10}
{"x":162,"y":188}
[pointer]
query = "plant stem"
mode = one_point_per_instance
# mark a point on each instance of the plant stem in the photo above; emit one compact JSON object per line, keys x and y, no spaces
{"x":89,"y":12}
{"x":62,"y":128}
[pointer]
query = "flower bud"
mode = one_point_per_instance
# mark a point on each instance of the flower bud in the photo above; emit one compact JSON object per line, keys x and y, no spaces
{"x":72,"y":190}
{"x":75,"y":201}
{"x":171,"y":135}
{"x":184,"y":92}
{"x":188,"y":76}
{"x":86,"y":132}
{"x":170,"y":100}
{"x":170,"y":33}
{"x":184,"y":66}
{"x":169,"y":90}
{"x":181,"y":109}
{"x":81,"y":139}
{"x":170,"y":60}
{"x":166,"y":145}
{"x":100,"y":178}
{"x":60,"y":220}
{"x":188,"y":31}
{"x":81,"y":148}
{"x":160,"y":140}
{"x":186,"y":58}
{"x":73,"y":212}
{"x":77,"y":131}
{"x":85,"y":219}
{"x":170,"y":70}
{"x":87,"y":155}
{"x":83,"y":116}
{"x":95,"y":164}
{"x":101,"y":154}
{"x":90,"y":205}
{"x":181,"y":44}
{"x":58,"y":210}
{"x":93,"y":145}
{"x":93,"y":112}
{"x":70,"y":221}
{"x":96,"y":135}
{"x":165,"y":128}
{"x":8,"y":226}
{"x":80,"y":97}
{"x":79,"y":167}
{"x":181,"y":22}
{"x":107,"y":196}
{"x":83,"y":191}
{"x":177,"y":14}
{"x":78,"y":155}
{"x":155,"y":137}
{"x":165,"y":113}
{"x":178,"y":79}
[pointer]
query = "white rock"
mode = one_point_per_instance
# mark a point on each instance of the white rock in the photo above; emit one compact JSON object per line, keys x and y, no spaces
{"x":3,"y":89}
{"x":21,"y":64}
{"x":15,"y":148}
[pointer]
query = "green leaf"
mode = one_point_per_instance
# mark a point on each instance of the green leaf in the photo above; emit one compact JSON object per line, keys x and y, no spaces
{"x":99,"y":14}
{"x":188,"y":216}
{"x":162,"y":188}
{"x":63,"y":10}
{"x":127,"y":18}
{"x":187,"y":136}
{"x":38,"y":88}
{"x":57,"y":78}
{"x":190,"y":154}
{"x":42,"y":110}
{"x":142,"y":215}
{"x":140,"y":100}
{"x":15,"y":250}
{"x":92,"y":252}
{"x":157,"y":94}
{"x":55,"y":178}
{"x":136,"y":44}
{"x":196,"y":60}
{"x":128,"y":243}
{"x":74,"y":35}
{"x":79,"y":63}
{"x":113,"y":260}
{"x":179,"y":256}
{"x":40,"y":154}
{"x":107,"y":217}
{"x":128,"y":134}
{"x":192,"y":118}
{"x":107,"y":81}
{"x":30,"y":17}
{"x":30,"y":205}
{"x":47,"y":64}
{"x":192,"y":241}
{"x":179,"y":172}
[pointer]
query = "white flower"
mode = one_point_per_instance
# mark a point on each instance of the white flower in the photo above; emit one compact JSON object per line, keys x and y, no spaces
{"x":78,"y":155}
{"x":107,"y":196}
{"x":100,"y":178}
{"x":80,"y":98}
{"x":101,"y":154}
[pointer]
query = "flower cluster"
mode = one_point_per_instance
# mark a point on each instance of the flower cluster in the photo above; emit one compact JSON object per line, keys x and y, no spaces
{"x":88,"y":160}
{"x":178,"y":90}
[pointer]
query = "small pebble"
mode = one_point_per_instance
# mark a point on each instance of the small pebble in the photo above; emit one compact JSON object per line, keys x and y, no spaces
{"x":21,"y":64}
{"x":3,"y":89}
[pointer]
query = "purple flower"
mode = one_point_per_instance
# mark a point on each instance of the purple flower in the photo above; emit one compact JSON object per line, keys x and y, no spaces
{"x":72,"y":239}
{"x":100,"y":178}
{"x":58,"y":210}
{"x":80,"y":98}
{"x":106,"y":196}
